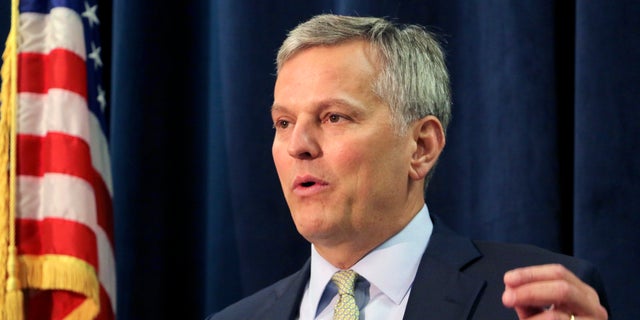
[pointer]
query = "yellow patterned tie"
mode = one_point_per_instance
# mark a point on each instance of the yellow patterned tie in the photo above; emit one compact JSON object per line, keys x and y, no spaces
{"x":346,"y":308}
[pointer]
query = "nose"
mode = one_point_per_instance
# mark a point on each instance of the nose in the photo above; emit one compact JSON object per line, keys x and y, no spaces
{"x":303,"y":142}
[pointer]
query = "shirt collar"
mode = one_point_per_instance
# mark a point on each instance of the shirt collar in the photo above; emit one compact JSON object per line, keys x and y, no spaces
{"x":380,"y":267}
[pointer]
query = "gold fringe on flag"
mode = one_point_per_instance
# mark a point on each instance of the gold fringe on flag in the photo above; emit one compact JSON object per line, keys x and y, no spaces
{"x":61,"y":272}
{"x":11,"y":299}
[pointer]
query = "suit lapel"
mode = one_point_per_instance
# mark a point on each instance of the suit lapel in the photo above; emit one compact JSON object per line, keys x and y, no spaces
{"x":441,"y":290}
{"x":287,"y":296}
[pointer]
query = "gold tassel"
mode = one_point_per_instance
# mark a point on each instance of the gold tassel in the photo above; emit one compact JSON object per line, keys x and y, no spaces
{"x":14,"y":298}
{"x":12,"y":302}
{"x":6,"y":105}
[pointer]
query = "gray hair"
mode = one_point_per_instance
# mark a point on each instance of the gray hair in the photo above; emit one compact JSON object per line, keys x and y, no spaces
{"x":413,"y":78}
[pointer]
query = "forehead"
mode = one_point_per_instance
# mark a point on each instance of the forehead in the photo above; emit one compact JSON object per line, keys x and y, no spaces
{"x":317,"y":72}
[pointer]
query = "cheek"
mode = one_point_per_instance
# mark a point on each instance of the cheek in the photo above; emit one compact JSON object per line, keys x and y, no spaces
{"x":380,"y":166}
{"x":279,"y":152}
{"x":364,"y":162}
{"x":350,"y":158}
{"x":280,"y":160}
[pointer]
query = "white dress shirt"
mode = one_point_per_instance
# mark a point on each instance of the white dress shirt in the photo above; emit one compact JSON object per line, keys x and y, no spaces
{"x":388,"y":273}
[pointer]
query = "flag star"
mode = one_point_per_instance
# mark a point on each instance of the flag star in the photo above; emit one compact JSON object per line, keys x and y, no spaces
{"x":95,"y":56}
{"x":91,"y":14}
{"x":101,"y":99}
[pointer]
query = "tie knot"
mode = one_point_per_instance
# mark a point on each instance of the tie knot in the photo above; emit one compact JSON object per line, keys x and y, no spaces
{"x":345,"y":280}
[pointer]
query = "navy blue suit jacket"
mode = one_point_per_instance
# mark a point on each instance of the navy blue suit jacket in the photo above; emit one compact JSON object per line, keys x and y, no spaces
{"x":457,"y":279}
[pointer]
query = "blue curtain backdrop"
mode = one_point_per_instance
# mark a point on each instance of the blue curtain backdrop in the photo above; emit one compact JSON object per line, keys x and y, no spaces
{"x":543,"y":147}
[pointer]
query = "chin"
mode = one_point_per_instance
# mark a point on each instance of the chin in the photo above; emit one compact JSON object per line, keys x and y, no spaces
{"x":313,"y":221}
{"x":312,"y":230}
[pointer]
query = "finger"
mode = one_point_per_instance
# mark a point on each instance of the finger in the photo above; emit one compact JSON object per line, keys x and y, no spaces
{"x":520,"y":276}
{"x":524,"y":311}
{"x":548,"y":315}
{"x":527,"y":312}
{"x":533,"y":298}
{"x":540,"y":294}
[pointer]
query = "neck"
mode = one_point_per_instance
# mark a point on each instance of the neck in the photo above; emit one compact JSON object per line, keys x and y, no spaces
{"x":345,"y":254}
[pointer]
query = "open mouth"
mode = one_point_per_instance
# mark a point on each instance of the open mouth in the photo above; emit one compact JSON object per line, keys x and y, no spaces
{"x":309,"y":183}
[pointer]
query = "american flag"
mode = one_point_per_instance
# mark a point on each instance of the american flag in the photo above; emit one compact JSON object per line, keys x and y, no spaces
{"x":62,"y":221}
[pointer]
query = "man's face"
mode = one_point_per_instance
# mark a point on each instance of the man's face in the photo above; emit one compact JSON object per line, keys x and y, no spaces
{"x":342,"y":166}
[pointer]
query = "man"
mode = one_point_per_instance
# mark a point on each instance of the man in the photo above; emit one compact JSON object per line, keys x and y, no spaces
{"x":360,"y":112}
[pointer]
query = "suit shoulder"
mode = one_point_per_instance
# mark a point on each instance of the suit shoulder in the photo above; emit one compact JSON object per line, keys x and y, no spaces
{"x":506,"y":256}
{"x":524,"y":254}
{"x":257,"y":303}
{"x":498,"y":258}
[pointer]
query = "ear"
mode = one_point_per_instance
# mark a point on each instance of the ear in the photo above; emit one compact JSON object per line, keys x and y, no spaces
{"x":429,"y":139}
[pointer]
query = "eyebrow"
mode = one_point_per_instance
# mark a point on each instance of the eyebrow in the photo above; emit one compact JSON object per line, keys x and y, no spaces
{"x":276,"y":107}
{"x":353,"y":107}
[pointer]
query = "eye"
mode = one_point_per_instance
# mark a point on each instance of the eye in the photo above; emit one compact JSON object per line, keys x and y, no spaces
{"x":281,"y":124}
{"x":334,"y":118}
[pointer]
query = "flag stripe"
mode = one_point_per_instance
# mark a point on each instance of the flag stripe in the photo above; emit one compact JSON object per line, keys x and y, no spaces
{"x":56,"y":196}
{"x":59,"y":110}
{"x":60,"y":153}
{"x":53,"y":304}
{"x":66,"y":112}
{"x":62,"y":29}
{"x":62,"y":237}
{"x":106,"y":310}
{"x":107,"y":270}
{"x":59,"y":69}
{"x":100,"y":157}
{"x":55,"y":152}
